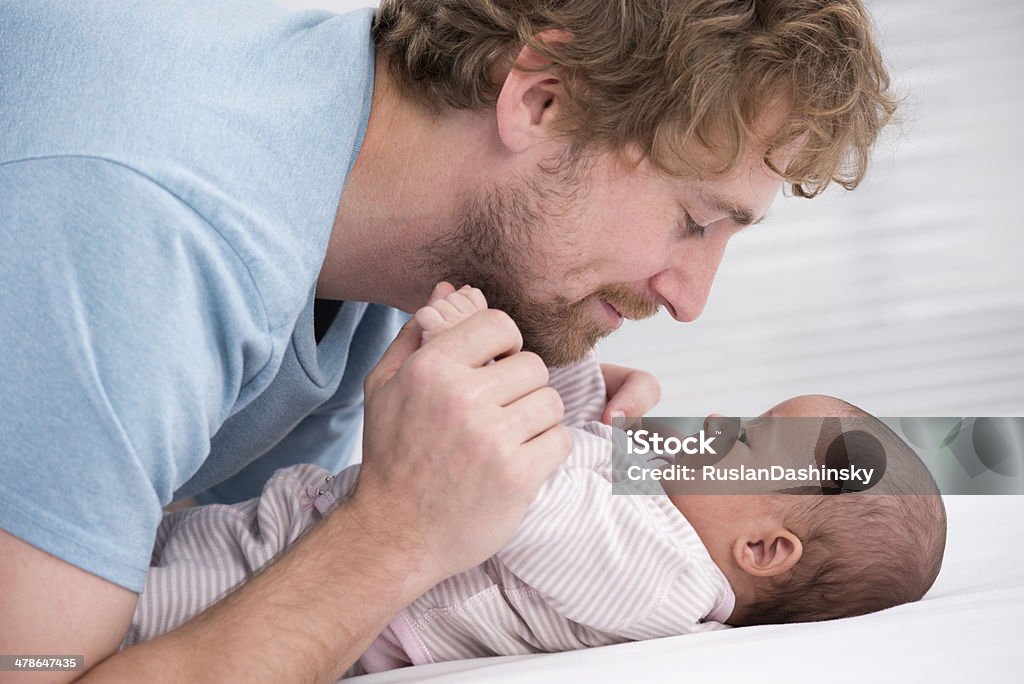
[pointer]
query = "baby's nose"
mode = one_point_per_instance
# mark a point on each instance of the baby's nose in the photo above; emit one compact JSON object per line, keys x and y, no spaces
{"x":713,"y":422}
{"x":724,"y":429}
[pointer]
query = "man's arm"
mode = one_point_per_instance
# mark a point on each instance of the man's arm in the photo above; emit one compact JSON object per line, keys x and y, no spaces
{"x":305,"y":618}
{"x":50,"y":607}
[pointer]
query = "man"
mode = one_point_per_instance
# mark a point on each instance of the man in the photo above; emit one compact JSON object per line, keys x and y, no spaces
{"x":186,"y":188}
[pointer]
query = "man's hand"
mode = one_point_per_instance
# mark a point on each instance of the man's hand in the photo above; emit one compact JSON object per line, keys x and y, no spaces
{"x":455,"y":448}
{"x":631,"y":392}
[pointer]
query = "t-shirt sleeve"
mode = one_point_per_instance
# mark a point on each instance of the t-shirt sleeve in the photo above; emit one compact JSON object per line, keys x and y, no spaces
{"x":127,"y":329}
{"x":602,"y":560}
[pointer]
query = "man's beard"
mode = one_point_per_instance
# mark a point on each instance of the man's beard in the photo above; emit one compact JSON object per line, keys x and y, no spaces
{"x":491,"y":248}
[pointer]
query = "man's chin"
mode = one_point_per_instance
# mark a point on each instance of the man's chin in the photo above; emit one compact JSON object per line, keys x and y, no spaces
{"x":563,"y":348}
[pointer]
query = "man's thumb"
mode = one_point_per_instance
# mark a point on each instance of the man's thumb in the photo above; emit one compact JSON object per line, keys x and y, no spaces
{"x":405,"y":343}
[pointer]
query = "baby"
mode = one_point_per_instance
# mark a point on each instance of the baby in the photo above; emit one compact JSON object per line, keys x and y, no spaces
{"x":587,"y":568}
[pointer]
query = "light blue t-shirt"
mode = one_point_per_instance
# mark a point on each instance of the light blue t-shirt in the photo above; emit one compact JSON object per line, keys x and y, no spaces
{"x":169,"y":177}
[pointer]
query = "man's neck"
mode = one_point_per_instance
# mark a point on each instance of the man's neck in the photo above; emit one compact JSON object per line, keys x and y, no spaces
{"x":402,"y":194}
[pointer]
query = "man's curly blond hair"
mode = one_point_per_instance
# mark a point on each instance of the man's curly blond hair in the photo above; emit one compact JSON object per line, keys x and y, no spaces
{"x":655,"y":75}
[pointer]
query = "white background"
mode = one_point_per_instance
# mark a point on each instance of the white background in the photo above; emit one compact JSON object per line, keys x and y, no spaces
{"x":906,"y":296}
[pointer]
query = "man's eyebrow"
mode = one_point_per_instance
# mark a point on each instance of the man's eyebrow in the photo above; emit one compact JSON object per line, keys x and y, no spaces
{"x":742,"y":216}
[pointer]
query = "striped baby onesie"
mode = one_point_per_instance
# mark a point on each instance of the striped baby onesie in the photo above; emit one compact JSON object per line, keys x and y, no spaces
{"x":585,"y":568}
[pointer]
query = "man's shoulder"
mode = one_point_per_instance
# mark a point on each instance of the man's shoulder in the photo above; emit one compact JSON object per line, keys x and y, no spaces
{"x":127,"y":327}
{"x":238,"y":94}
{"x":102,"y":257}
{"x":104,"y":220}
{"x":249,"y":114}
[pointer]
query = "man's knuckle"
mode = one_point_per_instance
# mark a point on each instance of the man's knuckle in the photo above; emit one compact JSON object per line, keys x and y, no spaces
{"x":563,"y":440}
{"x":421,"y":367}
{"x":474,"y":393}
{"x":490,"y":444}
{"x":552,"y":401}
{"x":511,"y":475}
{"x":461,"y":409}
{"x":504,"y":323}
{"x":497,"y":316}
{"x":535,"y":366}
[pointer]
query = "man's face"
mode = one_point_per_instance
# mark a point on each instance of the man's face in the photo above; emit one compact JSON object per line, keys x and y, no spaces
{"x":570,"y":252}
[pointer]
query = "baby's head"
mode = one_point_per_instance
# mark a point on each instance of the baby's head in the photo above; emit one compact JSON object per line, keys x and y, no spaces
{"x":834,"y":551}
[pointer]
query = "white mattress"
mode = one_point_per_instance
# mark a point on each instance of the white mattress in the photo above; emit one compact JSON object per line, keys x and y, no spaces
{"x":969,"y":628}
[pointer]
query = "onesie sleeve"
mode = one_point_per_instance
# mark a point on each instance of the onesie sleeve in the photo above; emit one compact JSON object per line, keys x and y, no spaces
{"x":582,"y":389}
{"x":602,"y":560}
{"x":203,"y":553}
{"x":127,"y":328}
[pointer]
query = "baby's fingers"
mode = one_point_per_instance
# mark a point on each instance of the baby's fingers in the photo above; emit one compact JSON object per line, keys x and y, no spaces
{"x":441,"y":290}
{"x":429,"y":319}
{"x":463,"y":304}
{"x":475,"y":296}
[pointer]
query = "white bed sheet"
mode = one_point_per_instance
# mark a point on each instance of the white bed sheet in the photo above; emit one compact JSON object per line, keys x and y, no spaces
{"x":969,"y":628}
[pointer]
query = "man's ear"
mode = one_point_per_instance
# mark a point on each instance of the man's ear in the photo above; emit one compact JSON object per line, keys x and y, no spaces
{"x":768,"y":554}
{"x":530,"y":96}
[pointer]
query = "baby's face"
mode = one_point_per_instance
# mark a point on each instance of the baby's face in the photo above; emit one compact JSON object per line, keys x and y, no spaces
{"x":792,"y":434}
{"x":762,"y":441}
{"x":789,"y":434}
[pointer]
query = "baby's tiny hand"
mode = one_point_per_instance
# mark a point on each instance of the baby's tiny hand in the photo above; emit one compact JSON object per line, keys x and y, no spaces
{"x":442,"y":314}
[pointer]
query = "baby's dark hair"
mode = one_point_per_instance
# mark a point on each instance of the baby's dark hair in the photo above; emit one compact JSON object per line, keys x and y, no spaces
{"x":862,"y":551}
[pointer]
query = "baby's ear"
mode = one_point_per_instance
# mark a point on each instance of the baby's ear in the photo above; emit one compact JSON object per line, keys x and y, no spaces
{"x":768,"y":554}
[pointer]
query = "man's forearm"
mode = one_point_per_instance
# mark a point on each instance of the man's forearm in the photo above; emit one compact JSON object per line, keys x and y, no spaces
{"x":304,"y":618}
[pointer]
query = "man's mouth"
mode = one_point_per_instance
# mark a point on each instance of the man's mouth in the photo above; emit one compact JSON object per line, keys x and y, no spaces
{"x":612,"y":314}
{"x":627,"y":304}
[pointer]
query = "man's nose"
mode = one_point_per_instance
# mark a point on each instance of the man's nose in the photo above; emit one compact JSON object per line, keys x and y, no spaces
{"x":684,"y":287}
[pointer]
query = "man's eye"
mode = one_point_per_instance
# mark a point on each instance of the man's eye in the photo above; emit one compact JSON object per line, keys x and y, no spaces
{"x":694,"y":229}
